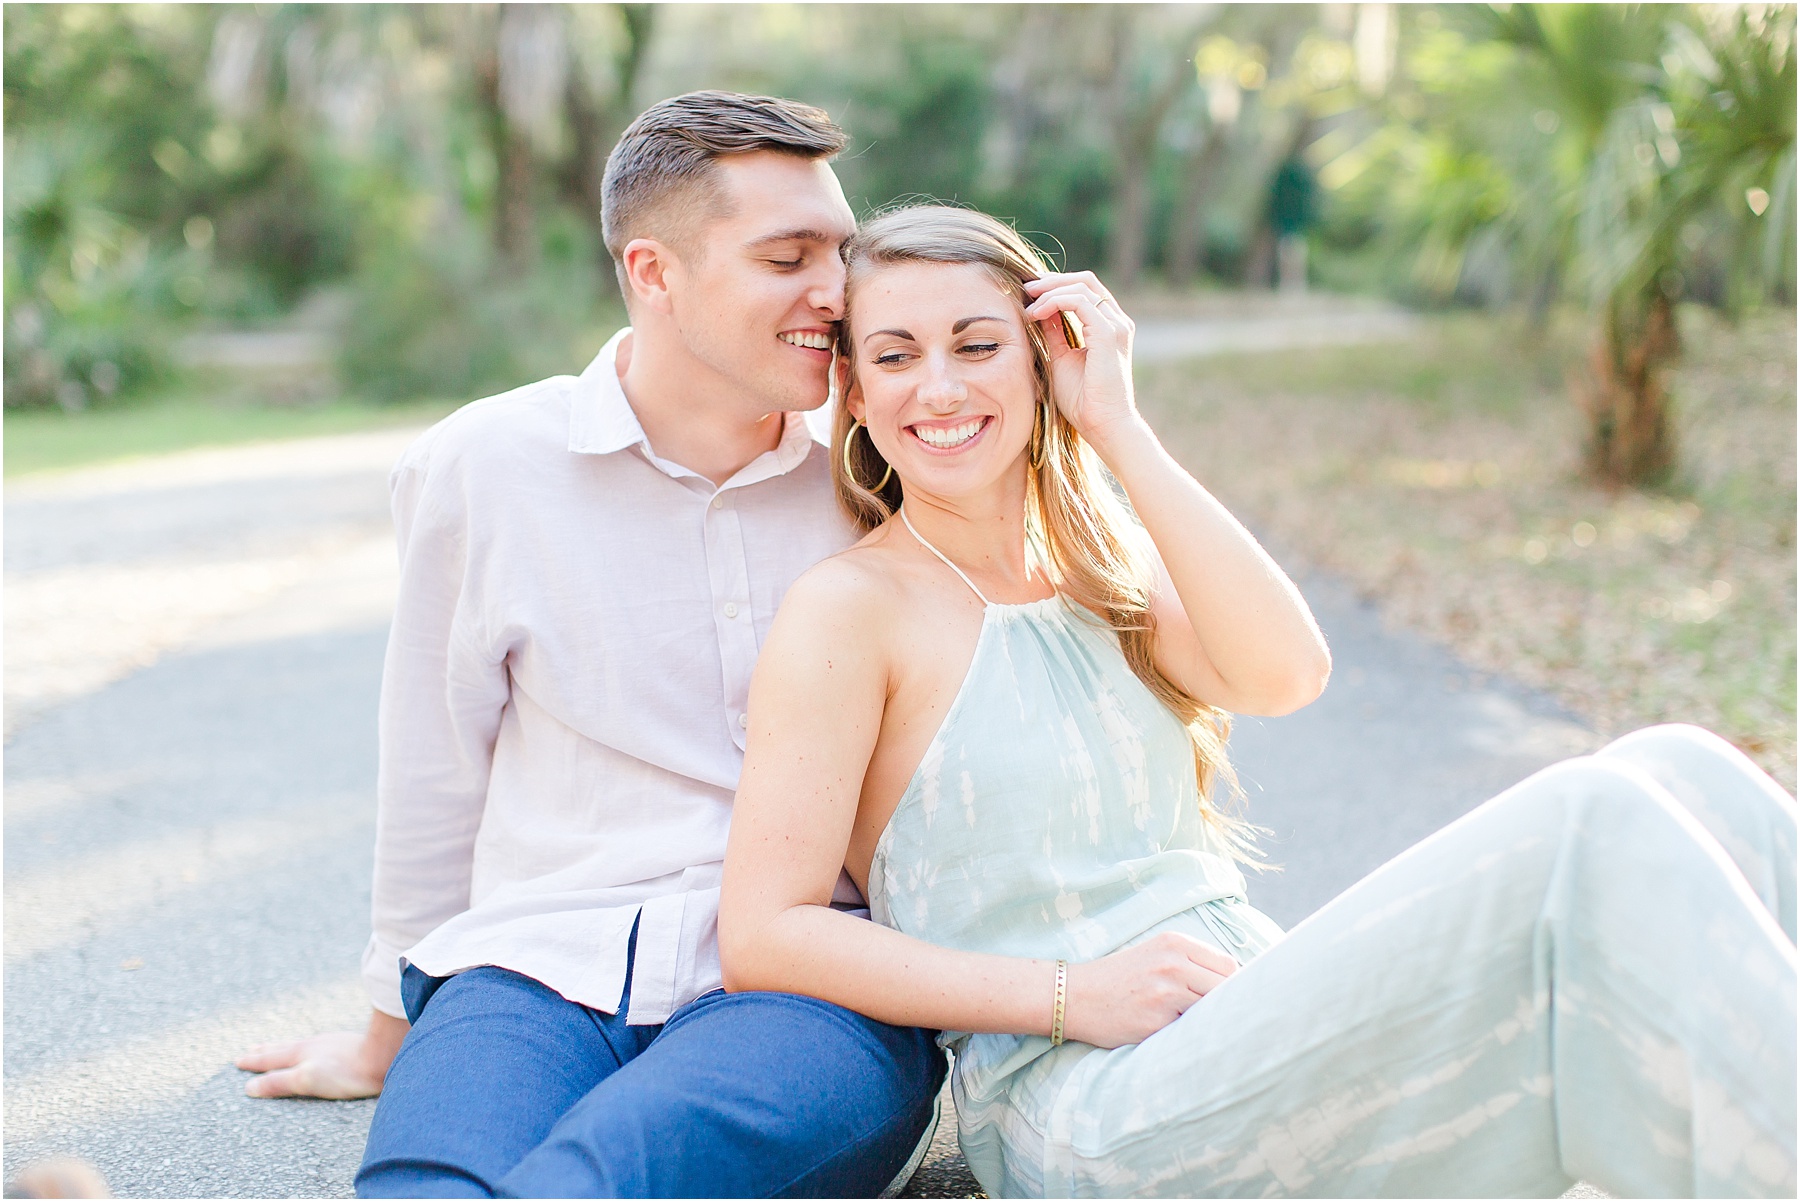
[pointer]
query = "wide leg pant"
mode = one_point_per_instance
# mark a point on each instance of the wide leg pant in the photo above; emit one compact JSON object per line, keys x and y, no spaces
{"x":1589,"y":977}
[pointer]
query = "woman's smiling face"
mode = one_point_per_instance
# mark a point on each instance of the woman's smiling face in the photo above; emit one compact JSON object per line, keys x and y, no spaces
{"x":943,"y":374}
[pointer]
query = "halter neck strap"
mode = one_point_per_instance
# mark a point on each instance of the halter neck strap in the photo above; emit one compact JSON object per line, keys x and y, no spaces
{"x":942,"y":556}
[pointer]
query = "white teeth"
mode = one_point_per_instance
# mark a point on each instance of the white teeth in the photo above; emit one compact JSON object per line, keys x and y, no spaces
{"x":953,"y":437}
{"x":819,"y":342}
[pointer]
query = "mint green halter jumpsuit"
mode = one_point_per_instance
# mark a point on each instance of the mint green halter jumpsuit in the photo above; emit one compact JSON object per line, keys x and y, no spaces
{"x":1589,"y":977}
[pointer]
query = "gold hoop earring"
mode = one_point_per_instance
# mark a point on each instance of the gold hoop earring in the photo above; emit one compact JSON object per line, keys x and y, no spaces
{"x":1040,"y":439}
{"x":850,"y":471}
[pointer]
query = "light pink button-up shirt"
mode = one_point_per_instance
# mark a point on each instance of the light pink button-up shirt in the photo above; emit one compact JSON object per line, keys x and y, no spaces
{"x":562,"y":707}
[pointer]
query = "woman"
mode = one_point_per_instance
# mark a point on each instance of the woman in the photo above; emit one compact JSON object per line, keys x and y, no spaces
{"x":1004,"y":712}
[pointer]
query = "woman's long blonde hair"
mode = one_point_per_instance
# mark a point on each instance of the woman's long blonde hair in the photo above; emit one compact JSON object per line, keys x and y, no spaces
{"x":1075,"y":521}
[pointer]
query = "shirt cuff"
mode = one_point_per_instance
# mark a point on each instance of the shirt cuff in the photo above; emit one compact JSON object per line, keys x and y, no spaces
{"x":381,"y":977}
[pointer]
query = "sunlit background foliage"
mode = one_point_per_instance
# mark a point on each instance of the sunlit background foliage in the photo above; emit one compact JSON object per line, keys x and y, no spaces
{"x":423,"y":180}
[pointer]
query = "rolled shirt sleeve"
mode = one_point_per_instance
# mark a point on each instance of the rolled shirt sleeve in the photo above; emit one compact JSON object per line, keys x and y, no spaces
{"x":443,"y":690}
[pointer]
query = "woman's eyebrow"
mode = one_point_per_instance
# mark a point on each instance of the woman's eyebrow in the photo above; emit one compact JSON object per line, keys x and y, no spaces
{"x":958,"y":328}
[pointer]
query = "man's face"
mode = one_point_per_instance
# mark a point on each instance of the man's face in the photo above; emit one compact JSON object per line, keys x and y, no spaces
{"x":758,"y":294}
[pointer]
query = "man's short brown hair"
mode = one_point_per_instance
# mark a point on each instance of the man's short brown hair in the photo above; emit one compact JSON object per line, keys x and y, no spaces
{"x":661,"y":178}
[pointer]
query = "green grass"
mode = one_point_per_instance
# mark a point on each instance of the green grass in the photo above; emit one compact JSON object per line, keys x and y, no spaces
{"x":49,"y":440}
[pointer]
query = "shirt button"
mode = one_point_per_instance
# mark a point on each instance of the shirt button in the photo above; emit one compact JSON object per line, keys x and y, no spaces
{"x":744,"y":721}
{"x":718,"y":502}
{"x":731,"y":609}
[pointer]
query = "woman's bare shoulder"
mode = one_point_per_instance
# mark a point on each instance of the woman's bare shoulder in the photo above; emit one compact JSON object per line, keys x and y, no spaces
{"x":835,"y":624}
{"x":858,"y":584}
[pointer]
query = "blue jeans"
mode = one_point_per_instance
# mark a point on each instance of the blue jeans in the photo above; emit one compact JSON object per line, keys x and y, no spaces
{"x":505,"y":1088}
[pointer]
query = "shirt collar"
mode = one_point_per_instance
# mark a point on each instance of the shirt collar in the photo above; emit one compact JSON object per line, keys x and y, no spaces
{"x":601,"y":422}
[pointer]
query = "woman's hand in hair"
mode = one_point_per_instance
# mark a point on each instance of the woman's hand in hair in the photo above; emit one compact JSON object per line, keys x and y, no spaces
{"x":1091,"y":384}
{"x":1132,"y":994}
{"x":1230,"y":627}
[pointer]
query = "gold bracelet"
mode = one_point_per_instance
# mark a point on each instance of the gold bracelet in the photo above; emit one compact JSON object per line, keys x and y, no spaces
{"x":1062,"y":1001}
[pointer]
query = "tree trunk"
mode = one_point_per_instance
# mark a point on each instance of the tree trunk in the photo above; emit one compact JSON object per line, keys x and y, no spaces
{"x":1631,"y":439}
{"x":1135,"y":133}
{"x":580,"y":179}
{"x":1187,"y":233}
{"x":595,"y":124}
{"x":1544,"y":290}
{"x":514,"y":227}
{"x":515,"y":217}
{"x":1129,"y":236}
{"x":640,"y":21}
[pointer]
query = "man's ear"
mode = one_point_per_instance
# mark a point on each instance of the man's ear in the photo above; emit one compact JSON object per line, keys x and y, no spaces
{"x":648,"y":265}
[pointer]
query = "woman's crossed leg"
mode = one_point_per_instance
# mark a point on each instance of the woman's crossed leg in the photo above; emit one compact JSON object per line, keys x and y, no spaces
{"x":1577,"y":980}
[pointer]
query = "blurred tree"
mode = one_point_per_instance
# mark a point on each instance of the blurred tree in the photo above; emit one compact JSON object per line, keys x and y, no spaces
{"x":914,"y":123}
{"x":93,"y":249}
{"x":521,"y":60}
{"x":1231,"y":76}
{"x":440,"y":165}
{"x":1314,"y":91}
{"x":1676,"y":113}
{"x":1149,"y":69}
{"x":598,"y":106}
{"x":1608,"y":152}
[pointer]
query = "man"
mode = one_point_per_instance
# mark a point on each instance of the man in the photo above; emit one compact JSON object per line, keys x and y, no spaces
{"x":588,"y":566}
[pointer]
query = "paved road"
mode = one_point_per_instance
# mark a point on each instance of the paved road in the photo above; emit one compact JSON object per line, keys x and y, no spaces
{"x":194,"y":647}
{"x":194,"y":651}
